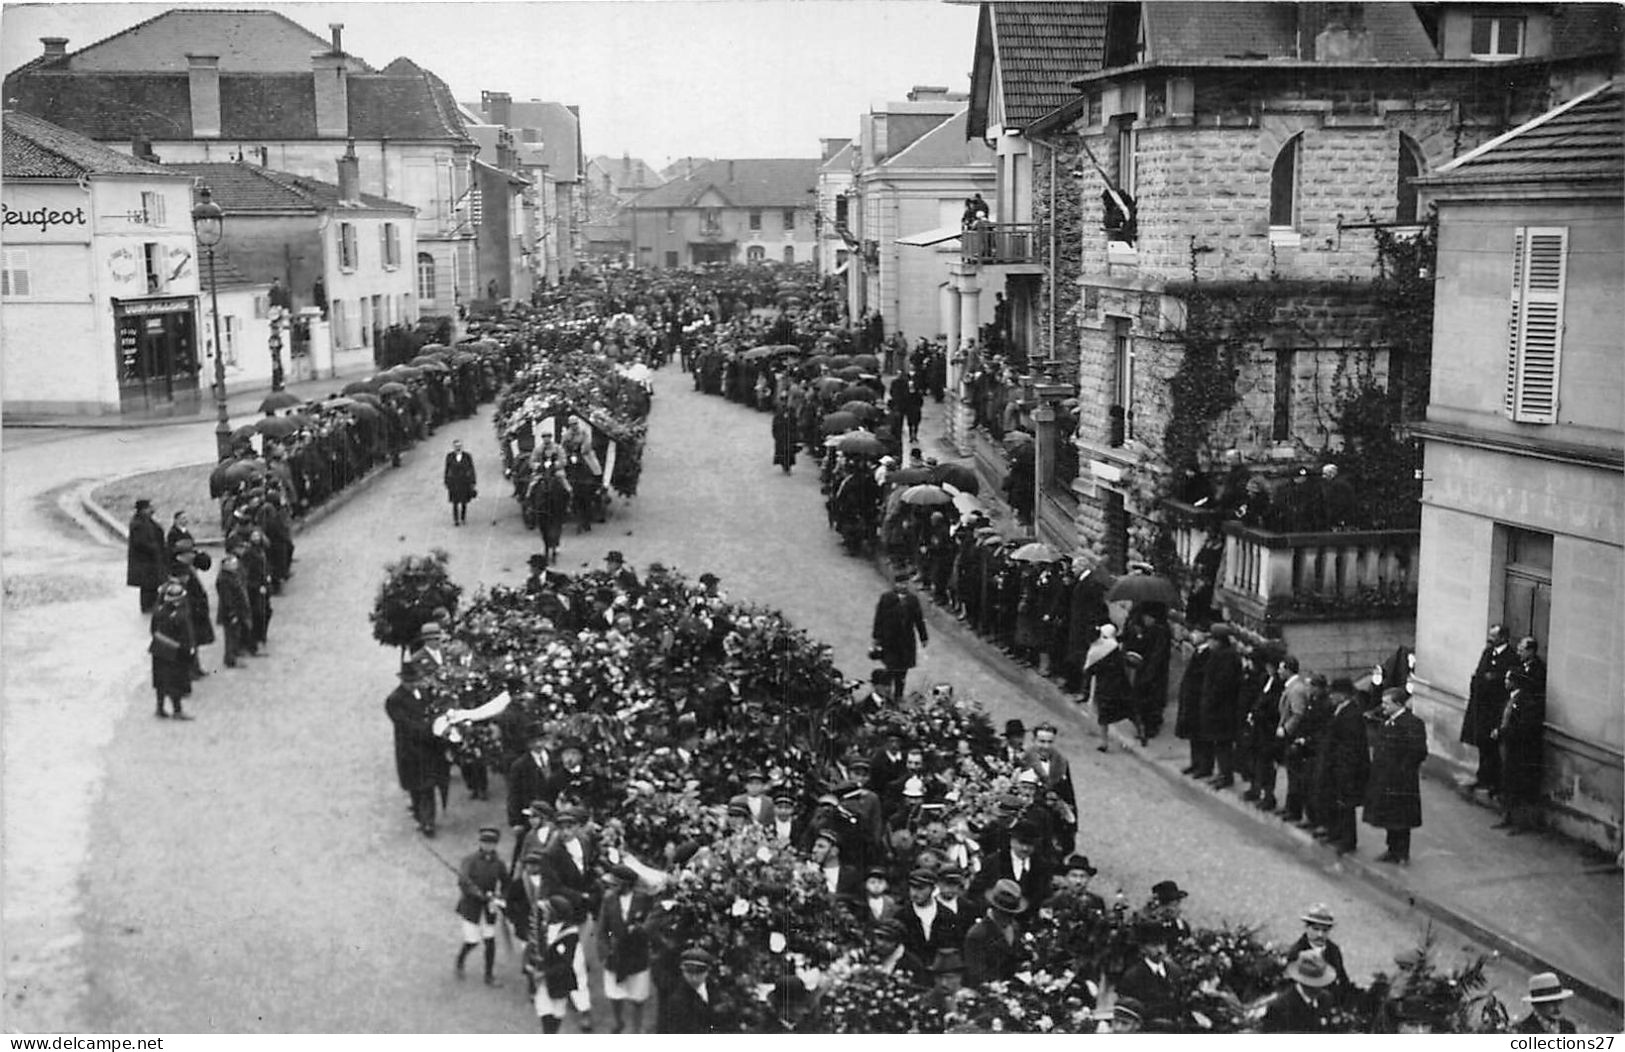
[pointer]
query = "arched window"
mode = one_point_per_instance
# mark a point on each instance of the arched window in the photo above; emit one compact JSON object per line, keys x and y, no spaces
{"x":1284,"y":184}
{"x":789,"y":254}
{"x":1410,"y":166}
{"x":425,"y":277}
{"x":756,"y":254}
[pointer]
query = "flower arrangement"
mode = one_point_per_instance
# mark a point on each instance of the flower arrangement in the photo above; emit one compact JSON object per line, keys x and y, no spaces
{"x":414,"y":587}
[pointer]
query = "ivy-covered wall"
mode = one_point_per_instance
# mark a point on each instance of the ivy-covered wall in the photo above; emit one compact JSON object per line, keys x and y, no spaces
{"x":1060,"y":288}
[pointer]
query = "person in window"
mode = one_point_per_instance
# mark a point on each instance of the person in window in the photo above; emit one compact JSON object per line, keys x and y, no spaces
{"x":1120,"y":216}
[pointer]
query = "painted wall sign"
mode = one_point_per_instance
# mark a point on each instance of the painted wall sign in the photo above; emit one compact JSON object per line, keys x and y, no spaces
{"x":42,"y":219}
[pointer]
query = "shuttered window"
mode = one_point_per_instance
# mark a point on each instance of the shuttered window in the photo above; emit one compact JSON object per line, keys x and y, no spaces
{"x":1535,"y":328}
{"x":15,"y":278}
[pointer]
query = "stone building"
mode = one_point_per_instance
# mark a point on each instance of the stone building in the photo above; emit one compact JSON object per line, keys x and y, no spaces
{"x":730,"y":211}
{"x":834,"y":198}
{"x":545,"y":143}
{"x":212,"y":86}
{"x":1525,"y":445}
{"x":1235,"y":164}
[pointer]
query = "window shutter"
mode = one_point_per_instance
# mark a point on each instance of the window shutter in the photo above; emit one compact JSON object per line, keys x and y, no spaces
{"x":383,"y":243}
{"x":1514,"y":321}
{"x":1540,"y":327}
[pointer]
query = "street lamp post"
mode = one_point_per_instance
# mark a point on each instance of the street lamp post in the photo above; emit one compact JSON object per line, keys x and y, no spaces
{"x":208,"y":223}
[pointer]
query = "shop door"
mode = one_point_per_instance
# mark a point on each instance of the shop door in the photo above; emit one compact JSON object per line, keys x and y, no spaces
{"x":157,"y":358}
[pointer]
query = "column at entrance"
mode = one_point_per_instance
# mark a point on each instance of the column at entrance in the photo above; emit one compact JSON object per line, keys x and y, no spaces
{"x":966,"y":289}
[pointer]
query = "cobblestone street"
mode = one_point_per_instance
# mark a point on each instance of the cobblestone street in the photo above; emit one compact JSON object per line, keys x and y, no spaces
{"x":255,"y":871}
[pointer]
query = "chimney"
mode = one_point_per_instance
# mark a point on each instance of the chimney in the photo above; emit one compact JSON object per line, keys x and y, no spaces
{"x":927,"y":93}
{"x":203,"y":76}
{"x":141,"y":148}
{"x":498,"y":106}
{"x":330,"y":69}
{"x":507,"y":159}
{"x":55,"y":47}
{"x":730,"y":171}
{"x":350,"y":176}
{"x":337,"y":30}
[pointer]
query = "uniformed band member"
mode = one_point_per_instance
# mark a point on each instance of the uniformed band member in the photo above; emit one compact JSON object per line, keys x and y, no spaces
{"x":481,"y":879}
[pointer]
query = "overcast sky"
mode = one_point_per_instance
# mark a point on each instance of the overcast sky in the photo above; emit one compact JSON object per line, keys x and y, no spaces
{"x":662,"y":79}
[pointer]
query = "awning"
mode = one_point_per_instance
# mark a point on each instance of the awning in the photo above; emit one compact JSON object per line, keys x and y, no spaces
{"x":932,"y":237}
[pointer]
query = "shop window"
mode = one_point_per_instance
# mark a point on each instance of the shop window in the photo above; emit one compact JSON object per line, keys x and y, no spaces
{"x":16,"y":282}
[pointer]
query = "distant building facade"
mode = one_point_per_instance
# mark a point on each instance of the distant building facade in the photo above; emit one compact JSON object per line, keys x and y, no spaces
{"x":729,"y":211}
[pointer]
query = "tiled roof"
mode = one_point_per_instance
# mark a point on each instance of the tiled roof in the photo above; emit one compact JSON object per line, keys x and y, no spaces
{"x":403,"y":102}
{"x":245,"y":40}
{"x":560,"y":133}
{"x":839,"y":161}
{"x":629,"y":174}
{"x":1192,"y":30}
{"x":1583,"y":140}
{"x":240,"y":187}
{"x":36,"y":149}
{"x":743,"y":183}
{"x":1042,"y":47}
{"x":944,"y":146}
{"x":1583,"y":29}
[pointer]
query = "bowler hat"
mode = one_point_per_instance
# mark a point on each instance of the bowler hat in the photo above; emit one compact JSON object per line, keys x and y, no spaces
{"x":613,"y":556}
{"x":1015,"y":729}
{"x":142,"y":504}
{"x":1006,"y":897}
{"x":1078,"y":863}
{"x":1168,"y":892}
{"x":623,"y":873}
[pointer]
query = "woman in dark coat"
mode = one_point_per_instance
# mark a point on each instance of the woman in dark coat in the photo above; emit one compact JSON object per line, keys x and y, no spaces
{"x":1147,"y":641}
{"x":1106,"y":668}
{"x":1520,"y":737}
{"x":784,"y":438}
{"x":172,"y":649}
{"x":1393,"y":799}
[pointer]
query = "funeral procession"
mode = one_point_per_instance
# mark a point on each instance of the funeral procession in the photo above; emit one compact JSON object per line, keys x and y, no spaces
{"x":995,"y":517}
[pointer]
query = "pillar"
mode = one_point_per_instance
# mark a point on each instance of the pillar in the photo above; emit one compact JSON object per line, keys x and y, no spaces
{"x":962,"y":329}
{"x":1044,"y":440}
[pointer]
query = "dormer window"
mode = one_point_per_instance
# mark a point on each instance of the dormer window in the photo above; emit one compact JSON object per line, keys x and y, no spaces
{"x":1497,"y":37}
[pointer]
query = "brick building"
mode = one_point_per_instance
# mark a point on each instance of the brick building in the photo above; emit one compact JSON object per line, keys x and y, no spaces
{"x":211,"y":86}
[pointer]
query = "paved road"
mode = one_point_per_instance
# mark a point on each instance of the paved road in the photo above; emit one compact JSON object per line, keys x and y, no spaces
{"x":255,"y":871}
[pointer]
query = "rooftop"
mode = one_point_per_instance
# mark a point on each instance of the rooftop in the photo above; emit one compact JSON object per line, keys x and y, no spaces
{"x":1037,"y":48}
{"x":37,"y":149}
{"x":743,"y":183}
{"x":1584,"y":139}
{"x":242,"y":188}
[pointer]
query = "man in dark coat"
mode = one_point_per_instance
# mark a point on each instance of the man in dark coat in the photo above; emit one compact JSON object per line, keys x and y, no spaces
{"x":1346,"y":769}
{"x":1190,"y":698}
{"x":1545,"y":997}
{"x":992,"y":948}
{"x":187,"y":562}
{"x":898,"y":621}
{"x":529,"y":777}
{"x":1147,"y":647}
{"x":420,"y":755}
{"x":690,"y":1007}
{"x":232,"y":609}
{"x":171,"y":649}
{"x":1520,"y":738}
{"x":1317,"y":936}
{"x":1301,"y":1008}
{"x":147,"y":563}
{"x":1486,"y":697}
{"x":1263,"y":721}
{"x":460,"y":481}
{"x":1393,"y":800}
{"x":1152,"y":979}
{"x":569,"y":862}
{"x":1214,"y":737}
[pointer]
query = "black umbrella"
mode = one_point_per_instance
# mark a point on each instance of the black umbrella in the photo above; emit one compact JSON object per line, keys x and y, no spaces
{"x":958,"y":476}
{"x":909,"y":476}
{"x":1143,"y":588}
{"x":279,"y":400}
{"x":868,"y":362}
{"x":861,"y":445}
{"x":856,"y":393}
{"x":366,"y":386}
{"x":839,"y":423}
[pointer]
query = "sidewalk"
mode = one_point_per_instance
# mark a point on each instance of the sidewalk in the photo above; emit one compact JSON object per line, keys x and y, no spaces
{"x":1543,"y":901}
{"x":242,"y":405}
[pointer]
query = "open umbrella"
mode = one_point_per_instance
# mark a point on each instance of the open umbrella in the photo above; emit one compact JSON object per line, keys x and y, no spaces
{"x":839,"y":423}
{"x":965,"y":503}
{"x":393,"y":387}
{"x":362,"y":409}
{"x":869,"y":362}
{"x":1036,"y":552}
{"x":279,"y":400}
{"x":787,"y":348}
{"x":355,"y":386}
{"x":818,"y":359}
{"x":1012,"y":439}
{"x":247,"y":431}
{"x":856,"y":393}
{"x":926,"y":494}
{"x":849,"y":373}
{"x":828,"y":384}
{"x":276,"y":426}
{"x":368,"y":398}
{"x":861,"y":444}
{"x":1143,"y":588}
{"x":242,"y":471}
{"x":839,"y":361}
{"x":403,"y":373}
{"x":757,"y":353}
{"x":858,"y":407}
{"x":909,"y":476}
{"x":958,"y":476}
{"x":338,"y":402}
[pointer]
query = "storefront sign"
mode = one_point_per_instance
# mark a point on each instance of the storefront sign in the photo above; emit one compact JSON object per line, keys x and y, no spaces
{"x":42,"y":219}
{"x":164,"y":306}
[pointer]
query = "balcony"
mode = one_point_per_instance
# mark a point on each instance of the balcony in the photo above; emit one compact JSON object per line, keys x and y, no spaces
{"x":1000,"y":243}
{"x":1338,"y":576}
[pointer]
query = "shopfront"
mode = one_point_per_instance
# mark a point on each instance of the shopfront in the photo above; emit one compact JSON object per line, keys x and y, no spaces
{"x":157,"y":354}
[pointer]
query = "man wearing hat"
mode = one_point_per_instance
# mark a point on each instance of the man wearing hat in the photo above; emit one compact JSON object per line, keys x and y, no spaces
{"x":691,"y":1007}
{"x":623,"y":945}
{"x":1302,"y":1007}
{"x":1345,"y":767}
{"x":1545,"y":997}
{"x":145,"y":557}
{"x":890,"y":953}
{"x":1167,"y":905}
{"x":568,"y":862}
{"x":1152,"y":979}
{"x":1393,"y":800}
{"x":758,"y":807}
{"x":844,"y":881}
{"x":420,"y":755}
{"x":1317,"y":932}
{"x":1187,"y":711}
{"x":786,"y":826}
{"x":559,"y":964}
{"x":876,"y":904}
{"x":1073,"y":881}
{"x":186,"y":562}
{"x":625,"y":578}
{"x":524,"y":899}
{"x":1213,"y":738}
{"x":954,"y":910}
{"x":898,"y":621}
{"x":1126,"y":1017}
{"x":992,"y":946}
{"x":1015,"y":741}
{"x":864,"y":805}
{"x":231,"y":610}
{"x":171,"y":649}
{"x":460,"y":480}
{"x":480,"y":879}
{"x":1021,"y":863}
{"x":529,"y":776}
{"x":926,"y":927}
